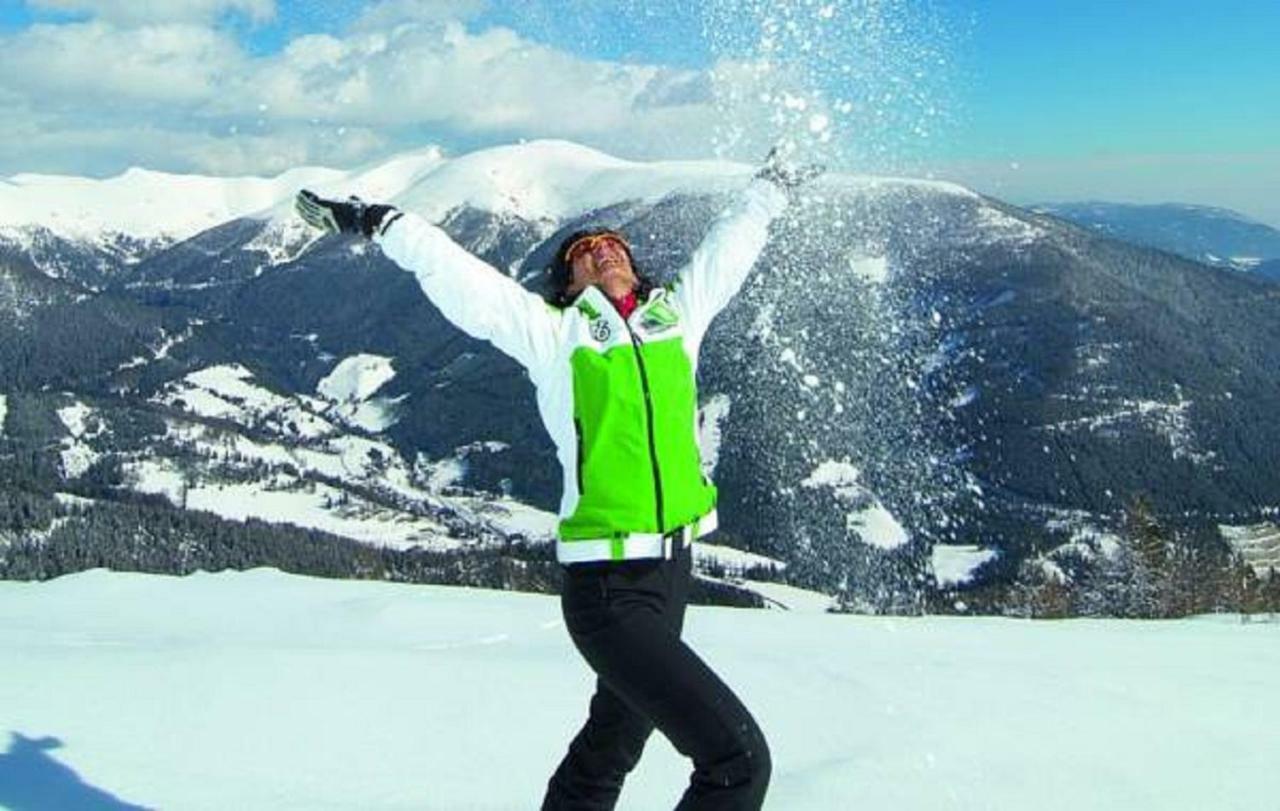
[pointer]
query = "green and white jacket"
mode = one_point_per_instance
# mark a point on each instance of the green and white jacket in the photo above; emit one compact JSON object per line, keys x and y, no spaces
{"x":617,"y":396}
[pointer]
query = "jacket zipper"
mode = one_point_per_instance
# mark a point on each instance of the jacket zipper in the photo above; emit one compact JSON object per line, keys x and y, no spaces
{"x":577,"y":429}
{"x":648,"y":411}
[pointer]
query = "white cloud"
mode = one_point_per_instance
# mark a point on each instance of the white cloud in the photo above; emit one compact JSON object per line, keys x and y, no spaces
{"x":108,"y":149}
{"x":184,"y":96}
{"x":138,"y":12}
{"x":279,"y":151}
{"x":98,"y":65}
{"x":440,"y":74}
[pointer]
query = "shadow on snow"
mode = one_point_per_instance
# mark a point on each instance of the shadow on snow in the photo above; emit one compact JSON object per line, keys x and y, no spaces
{"x":32,"y":780}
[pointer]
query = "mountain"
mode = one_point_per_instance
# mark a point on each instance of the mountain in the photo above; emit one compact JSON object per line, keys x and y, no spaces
{"x":91,"y":230}
{"x":921,"y":396}
{"x":1215,"y":236}
{"x":54,"y":332}
{"x":1269,"y":268}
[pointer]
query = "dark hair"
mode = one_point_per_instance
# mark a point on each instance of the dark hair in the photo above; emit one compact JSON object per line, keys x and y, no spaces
{"x":562,"y":272}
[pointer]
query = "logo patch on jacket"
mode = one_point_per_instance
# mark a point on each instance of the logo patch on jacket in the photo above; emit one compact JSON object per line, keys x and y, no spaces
{"x":600,"y":330}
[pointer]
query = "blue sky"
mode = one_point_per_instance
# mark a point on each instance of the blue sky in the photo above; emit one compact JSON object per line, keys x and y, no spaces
{"x":1090,"y":76}
{"x":1144,"y":100}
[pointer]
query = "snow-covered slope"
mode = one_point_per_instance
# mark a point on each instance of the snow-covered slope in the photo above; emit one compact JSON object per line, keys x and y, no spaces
{"x":134,"y":214}
{"x":1215,"y":236}
{"x":260,"y":690}
{"x":535,"y":180}
{"x":142,"y":203}
{"x":557,"y":180}
{"x":87,"y":229}
{"x":315,"y":475}
{"x":1258,"y":544}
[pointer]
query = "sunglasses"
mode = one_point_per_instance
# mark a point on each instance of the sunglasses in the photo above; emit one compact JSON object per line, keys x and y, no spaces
{"x":588,"y":244}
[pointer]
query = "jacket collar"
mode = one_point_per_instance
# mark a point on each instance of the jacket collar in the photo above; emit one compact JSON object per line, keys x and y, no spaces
{"x":595,"y":299}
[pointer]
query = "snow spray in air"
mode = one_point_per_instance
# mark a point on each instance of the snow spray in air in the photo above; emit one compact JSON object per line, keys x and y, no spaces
{"x":827,"y":376}
{"x":845,"y":351}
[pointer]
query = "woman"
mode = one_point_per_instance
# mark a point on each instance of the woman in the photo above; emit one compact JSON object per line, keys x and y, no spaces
{"x":614,"y":361}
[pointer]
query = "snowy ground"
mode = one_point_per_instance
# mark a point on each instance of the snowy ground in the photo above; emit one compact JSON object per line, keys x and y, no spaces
{"x":260,"y":690}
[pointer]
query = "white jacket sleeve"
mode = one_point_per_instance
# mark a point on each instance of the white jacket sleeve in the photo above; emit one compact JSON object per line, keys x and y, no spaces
{"x":726,"y":255}
{"x":476,"y":297}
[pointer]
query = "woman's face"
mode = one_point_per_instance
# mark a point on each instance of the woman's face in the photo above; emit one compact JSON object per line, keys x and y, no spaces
{"x":603,"y":261}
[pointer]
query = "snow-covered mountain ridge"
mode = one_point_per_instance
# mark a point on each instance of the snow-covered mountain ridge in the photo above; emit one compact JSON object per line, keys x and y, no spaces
{"x":1215,"y":236}
{"x":92,"y":230}
{"x":534,"y":180}
{"x":914,"y":381}
{"x":142,"y":203}
{"x":60,"y":223}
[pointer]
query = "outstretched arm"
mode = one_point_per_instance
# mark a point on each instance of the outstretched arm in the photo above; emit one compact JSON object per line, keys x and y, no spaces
{"x":721,"y":263}
{"x":726,"y":255}
{"x":477,"y":298}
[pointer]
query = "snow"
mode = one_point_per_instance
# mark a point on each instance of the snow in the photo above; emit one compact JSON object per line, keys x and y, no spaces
{"x":74,"y":416}
{"x":350,"y":386}
{"x":375,"y":416}
{"x":344,"y":458}
{"x":965,"y":397}
{"x":788,"y":356}
{"x":762,"y":328}
{"x":144,"y":204}
{"x":76,"y":458}
{"x":1258,"y":544}
{"x":72,"y":500}
{"x":871,"y":269}
{"x":170,"y":341}
{"x":1088,"y":536}
{"x":789,"y":598}
{"x":350,"y":486}
{"x":230,"y":380}
{"x":441,"y":474}
{"x":711,"y":419}
{"x":262,"y":690}
{"x":1170,"y":420}
{"x":286,"y":500}
{"x":356,"y":378}
{"x":875,"y":525}
{"x":1095,"y":354}
{"x":870,"y":520}
{"x":307,"y":507}
{"x":76,"y":455}
{"x":992,"y":222}
{"x":544,"y":181}
{"x":732,"y":560}
{"x":228,"y":392}
{"x":954,"y":564}
{"x":282,"y":240}
{"x":517,"y":518}
{"x":557,"y":180}
{"x":839,"y":476}
{"x":156,"y":477}
{"x":554,"y":180}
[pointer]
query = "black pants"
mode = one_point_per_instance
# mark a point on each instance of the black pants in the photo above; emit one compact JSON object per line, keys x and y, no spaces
{"x":625,"y":619}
